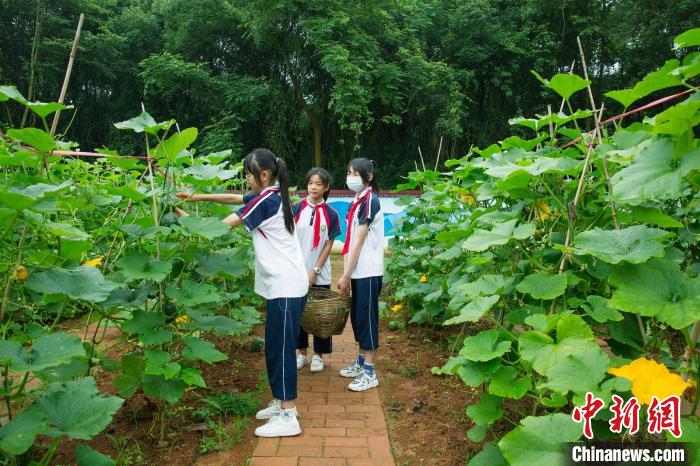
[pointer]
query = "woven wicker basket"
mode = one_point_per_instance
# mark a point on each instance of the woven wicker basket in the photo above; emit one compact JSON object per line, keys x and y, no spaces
{"x":326,"y":312}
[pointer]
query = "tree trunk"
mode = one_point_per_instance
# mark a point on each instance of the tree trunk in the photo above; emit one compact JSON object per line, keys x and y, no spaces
{"x":317,"y":138}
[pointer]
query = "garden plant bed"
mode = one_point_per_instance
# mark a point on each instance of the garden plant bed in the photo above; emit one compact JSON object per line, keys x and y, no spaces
{"x":132,"y":436}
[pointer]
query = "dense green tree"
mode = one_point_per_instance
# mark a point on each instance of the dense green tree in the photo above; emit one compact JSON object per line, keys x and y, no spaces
{"x":321,"y":82}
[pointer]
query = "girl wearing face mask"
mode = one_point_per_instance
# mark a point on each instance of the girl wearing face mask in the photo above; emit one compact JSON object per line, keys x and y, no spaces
{"x":317,"y":226}
{"x":363,"y":269}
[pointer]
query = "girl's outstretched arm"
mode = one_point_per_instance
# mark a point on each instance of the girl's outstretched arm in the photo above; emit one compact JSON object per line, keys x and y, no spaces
{"x":344,"y":282}
{"x":218,"y":198}
{"x":233,"y":221}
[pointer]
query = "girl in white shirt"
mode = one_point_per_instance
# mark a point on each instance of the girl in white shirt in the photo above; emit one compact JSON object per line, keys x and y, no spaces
{"x":280,"y":277}
{"x":363,"y":270}
{"x":317,"y":227}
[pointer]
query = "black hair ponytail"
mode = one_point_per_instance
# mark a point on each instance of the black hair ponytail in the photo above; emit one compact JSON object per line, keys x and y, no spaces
{"x":263,"y":159}
{"x":365,"y":167}
{"x":326,"y":179}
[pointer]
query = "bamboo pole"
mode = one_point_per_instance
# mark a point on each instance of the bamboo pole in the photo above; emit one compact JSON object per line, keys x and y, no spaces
{"x":438,"y":154}
{"x":69,"y":70}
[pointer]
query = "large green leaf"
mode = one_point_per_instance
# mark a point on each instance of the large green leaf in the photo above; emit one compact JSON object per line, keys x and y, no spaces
{"x":158,"y":363}
{"x":654,"y":174}
{"x":485,"y":285}
{"x":484,"y":346}
{"x":499,"y":234}
{"x":635,"y":244}
{"x":654,"y":81}
{"x":86,"y":456}
{"x":690,"y":38}
{"x":542,"y":285}
{"x":175,"y":144}
{"x":11,"y":92}
{"x":210,"y":172}
{"x":208,"y":227}
{"x":77,"y":409}
{"x":505,"y":383}
{"x":86,"y":283}
{"x":144,"y":122}
{"x":149,"y":327}
{"x":475,"y":310}
{"x":200,"y":349}
{"x":472,"y":373}
{"x":219,"y":324}
{"x":540,"y":440}
{"x":487,"y":411}
{"x":657,"y":288}
{"x":192,"y":293}
{"x":44,"y":109}
{"x":654,"y":216}
{"x":489,"y":455}
{"x":574,"y":363}
{"x":19,"y":434}
{"x":137,"y":266}
{"x":169,"y":390}
{"x":67,"y":231}
{"x":52,"y":350}
{"x":564,"y":84}
{"x":35,"y":137}
{"x":130,"y":378}
{"x":22,"y":197}
{"x":600,"y":311}
{"x":678,"y":119}
{"x":229,"y":263}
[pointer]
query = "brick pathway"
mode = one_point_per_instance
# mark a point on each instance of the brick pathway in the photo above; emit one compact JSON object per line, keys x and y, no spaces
{"x":339,"y":427}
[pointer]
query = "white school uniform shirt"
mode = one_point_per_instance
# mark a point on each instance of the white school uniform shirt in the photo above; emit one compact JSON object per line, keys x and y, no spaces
{"x":279,"y":265}
{"x":306,"y":215}
{"x":371,"y":260}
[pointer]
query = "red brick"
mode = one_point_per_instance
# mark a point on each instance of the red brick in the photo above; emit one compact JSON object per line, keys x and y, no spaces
{"x":274,"y":461}
{"x":345,"y":423}
{"x":359,"y":432}
{"x":321,"y":461}
{"x":301,"y":440}
{"x":325,"y":431}
{"x":300,"y":450}
{"x":346,"y":442}
{"x":327,"y":409}
{"x":379,"y":447}
{"x":266,"y":447}
{"x":345,"y":452}
{"x":370,"y":462}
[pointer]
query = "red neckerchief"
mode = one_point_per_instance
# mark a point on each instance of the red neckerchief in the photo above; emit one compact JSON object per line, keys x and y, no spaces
{"x":323,"y":207}
{"x":351,"y":213}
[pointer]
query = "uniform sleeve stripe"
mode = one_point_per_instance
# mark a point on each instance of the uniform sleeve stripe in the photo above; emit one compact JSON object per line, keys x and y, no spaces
{"x":254,"y":204}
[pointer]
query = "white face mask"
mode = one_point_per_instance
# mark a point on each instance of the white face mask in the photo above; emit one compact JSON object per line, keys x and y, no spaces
{"x":355,"y":183}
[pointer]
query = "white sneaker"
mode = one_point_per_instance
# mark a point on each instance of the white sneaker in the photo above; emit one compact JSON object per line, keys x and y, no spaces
{"x":364,"y":382}
{"x":285,"y":424}
{"x":272,"y":410}
{"x":316,"y":363}
{"x":302,"y":360}
{"x":353,"y":370}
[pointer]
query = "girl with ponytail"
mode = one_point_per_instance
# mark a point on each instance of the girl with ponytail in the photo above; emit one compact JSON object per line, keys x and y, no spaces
{"x":280,"y":277}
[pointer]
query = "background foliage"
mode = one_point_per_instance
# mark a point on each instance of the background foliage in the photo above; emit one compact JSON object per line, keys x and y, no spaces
{"x":331,"y":79}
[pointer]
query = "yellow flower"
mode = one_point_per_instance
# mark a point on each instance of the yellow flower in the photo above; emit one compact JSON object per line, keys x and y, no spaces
{"x":183,"y":319}
{"x":423,"y":278}
{"x":94,"y":262}
{"x":20,"y":274}
{"x":649,"y":378}
{"x":468,"y":198}
{"x":542,"y":210}
{"x":396,"y":307}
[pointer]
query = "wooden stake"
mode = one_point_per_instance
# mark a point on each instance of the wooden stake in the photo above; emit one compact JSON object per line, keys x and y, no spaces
{"x":420,"y":152}
{"x":438,"y":156}
{"x":69,"y":69}
{"x":600,"y":135}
